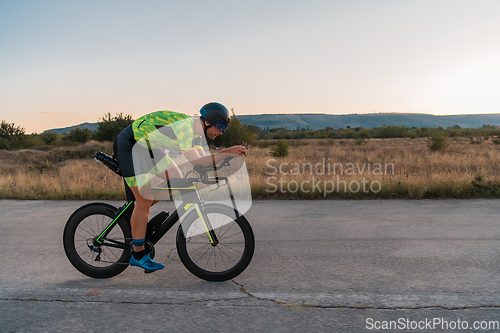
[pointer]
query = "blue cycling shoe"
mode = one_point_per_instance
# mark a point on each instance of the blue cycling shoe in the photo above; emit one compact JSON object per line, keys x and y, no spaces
{"x":147,"y":263}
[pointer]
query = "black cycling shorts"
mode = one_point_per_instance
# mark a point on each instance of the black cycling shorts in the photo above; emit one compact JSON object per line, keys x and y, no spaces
{"x":137,"y":162}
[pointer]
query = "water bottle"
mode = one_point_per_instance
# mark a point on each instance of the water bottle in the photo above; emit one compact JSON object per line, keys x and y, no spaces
{"x":108,"y":161}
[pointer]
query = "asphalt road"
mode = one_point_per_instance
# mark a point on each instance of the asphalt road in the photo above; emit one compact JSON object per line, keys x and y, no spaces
{"x":319,"y":266}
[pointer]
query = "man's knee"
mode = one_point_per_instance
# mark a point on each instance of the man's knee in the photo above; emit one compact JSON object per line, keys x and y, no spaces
{"x":143,"y":203}
{"x":173,"y":171}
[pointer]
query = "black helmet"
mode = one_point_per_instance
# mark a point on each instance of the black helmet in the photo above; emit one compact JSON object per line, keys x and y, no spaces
{"x":213,"y":111}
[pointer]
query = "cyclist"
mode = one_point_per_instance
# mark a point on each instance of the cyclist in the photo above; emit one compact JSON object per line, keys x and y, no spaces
{"x":154,"y":132}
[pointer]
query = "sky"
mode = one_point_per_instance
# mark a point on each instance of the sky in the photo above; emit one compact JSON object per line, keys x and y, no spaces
{"x":65,"y":62}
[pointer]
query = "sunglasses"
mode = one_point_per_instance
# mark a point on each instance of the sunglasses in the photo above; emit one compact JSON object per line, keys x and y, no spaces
{"x":220,"y":125}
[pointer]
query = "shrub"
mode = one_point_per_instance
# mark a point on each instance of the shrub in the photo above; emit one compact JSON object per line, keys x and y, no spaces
{"x":361,"y":141}
{"x":281,"y":149}
{"x":480,"y":187}
{"x":478,"y":140}
{"x":11,"y":136}
{"x":236,"y":134}
{"x":390,"y":131}
{"x":48,"y":137}
{"x":437,"y":142}
{"x":78,"y":135}
{"x":109,"y":127}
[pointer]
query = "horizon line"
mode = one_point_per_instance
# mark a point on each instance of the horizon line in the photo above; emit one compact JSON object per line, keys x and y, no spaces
{"x":387,"y":112}
{"x":327,"y":114}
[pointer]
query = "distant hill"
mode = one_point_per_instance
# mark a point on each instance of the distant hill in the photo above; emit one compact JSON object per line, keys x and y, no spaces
{"x":370,"y":120}
{"x":90,"y":126}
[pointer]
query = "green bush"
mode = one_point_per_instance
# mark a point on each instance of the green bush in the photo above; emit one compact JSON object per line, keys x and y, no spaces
{"x":78,"y":135}
{"x":390,"y":131}
{"x":437,"y":142}
{"x":48,"y":137}
{"x":480,"y":187}
{"x":108,"y":127}
{"x":11,"y":136}
{"x":281,"y":149}
{"x":361,"y":141}
{"x":236,"y":134}
{"x":478,"y":140}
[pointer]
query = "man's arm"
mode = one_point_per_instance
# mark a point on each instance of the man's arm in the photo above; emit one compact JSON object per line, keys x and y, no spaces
{"x":194,"y":157}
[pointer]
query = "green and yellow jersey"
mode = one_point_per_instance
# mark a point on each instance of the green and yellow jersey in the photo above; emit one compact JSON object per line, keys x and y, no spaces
{"x":162,"y":129}
{"x":165,"y":129}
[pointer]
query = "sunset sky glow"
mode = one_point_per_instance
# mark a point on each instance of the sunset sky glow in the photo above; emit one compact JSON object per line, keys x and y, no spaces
{"x":63,"y":63}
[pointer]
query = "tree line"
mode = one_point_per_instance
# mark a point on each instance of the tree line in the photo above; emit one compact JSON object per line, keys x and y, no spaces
{"x":384,"y":131}
{"x":108,"y":127}
{"x":14,"y":137}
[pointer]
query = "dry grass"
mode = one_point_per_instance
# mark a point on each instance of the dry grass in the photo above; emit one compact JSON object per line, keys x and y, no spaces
{"x":61,"y":173}
{"x":418,"y":172}
{"x":464,"y":170}
{"x":72,"y":179}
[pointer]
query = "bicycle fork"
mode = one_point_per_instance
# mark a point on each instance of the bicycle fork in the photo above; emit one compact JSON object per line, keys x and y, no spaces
{"x":206,"y":224}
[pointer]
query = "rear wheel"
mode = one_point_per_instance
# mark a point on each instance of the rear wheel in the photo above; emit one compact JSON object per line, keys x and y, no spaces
{"x":86,"y":255}
{"x":229,"y":257}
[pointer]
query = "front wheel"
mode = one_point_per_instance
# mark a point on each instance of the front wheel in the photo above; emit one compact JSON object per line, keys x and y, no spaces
{"x":227,"y":259}
{"x":91,"y":259}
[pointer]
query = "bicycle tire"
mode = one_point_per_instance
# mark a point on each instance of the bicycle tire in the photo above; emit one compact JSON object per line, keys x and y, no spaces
{"x":86,"y":223}
{"x":193,"y":254}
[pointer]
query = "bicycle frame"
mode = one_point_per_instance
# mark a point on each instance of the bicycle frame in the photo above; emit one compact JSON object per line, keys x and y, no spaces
{"x":190,"y":198}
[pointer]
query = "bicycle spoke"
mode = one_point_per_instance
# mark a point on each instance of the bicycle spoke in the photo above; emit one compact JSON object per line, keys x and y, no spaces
{"x":225,"y":232}
{"x":81,"y":246}
{"x":88,"y":232}
{"x":222,"y":257}
{"x":105,"y":254}
{"x":90,"y":225}
{"x":204,"y":253}
{"x":230,"y":248}
{"x":88,"y":229}
{"x":230,"y":236}
{"x":210,"y":255}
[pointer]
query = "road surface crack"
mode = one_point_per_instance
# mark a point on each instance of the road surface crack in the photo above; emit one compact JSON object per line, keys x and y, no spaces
{"x":361,"y":307}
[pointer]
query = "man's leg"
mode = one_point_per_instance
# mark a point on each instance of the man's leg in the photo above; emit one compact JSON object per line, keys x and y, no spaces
{"x":171,"y":171}
{"x":140,"y":214}
{"x":139,"y":224}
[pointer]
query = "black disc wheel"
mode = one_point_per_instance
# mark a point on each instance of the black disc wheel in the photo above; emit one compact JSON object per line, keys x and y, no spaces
{"x":90,"y":257}
{"x":221,"y":261}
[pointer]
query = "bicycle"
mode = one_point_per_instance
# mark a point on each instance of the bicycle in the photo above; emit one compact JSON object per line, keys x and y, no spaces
{"x":214,"y":241}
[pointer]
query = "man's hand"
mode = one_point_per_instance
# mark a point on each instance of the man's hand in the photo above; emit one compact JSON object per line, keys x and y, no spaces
{"x":194,"y":157}
{"x":236,"y":150}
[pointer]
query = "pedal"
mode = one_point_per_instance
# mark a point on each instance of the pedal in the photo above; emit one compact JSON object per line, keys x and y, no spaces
{"x":147,"y":271}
